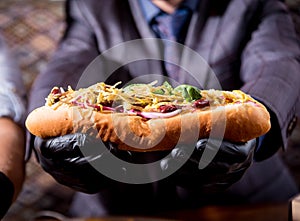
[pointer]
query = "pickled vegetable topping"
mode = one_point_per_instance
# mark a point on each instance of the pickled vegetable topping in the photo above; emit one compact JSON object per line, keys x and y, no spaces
{"x":145,"y":100}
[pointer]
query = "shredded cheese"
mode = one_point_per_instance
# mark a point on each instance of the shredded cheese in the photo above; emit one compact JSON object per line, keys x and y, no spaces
{"x":140,"y":97}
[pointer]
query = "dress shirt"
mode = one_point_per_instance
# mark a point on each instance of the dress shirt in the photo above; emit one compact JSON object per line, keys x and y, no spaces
{"x":150,"y":10}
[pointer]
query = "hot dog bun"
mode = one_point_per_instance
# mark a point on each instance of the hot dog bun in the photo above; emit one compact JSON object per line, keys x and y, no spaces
{"x":241,"y":122}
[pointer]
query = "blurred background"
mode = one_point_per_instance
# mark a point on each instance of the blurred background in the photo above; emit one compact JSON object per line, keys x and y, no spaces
{"x":33,"y":29}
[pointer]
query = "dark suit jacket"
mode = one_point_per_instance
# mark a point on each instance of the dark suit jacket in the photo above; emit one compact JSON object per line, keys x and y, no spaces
{"x":249,"y":44}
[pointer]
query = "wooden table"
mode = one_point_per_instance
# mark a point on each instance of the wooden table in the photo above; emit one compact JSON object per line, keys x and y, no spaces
{"x":261,"y":212}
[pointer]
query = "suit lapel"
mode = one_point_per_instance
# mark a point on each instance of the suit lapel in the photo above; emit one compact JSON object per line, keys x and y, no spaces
{"x":196,"y":24}
{"x":203,"y":37}
{"x":150,"y":47}
{"x":198,"y":67}
{"x":140,"y":20}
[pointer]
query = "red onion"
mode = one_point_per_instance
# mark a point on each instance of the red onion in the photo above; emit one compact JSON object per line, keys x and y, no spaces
{"x":151,"y":115}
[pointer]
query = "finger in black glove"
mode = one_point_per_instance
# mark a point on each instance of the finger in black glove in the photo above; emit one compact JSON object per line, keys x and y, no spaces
{"x":62,"y":158}
{"x":210,"y":167}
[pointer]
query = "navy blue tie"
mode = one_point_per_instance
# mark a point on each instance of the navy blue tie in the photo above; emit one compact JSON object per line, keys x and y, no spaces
{"x":172,"y":27}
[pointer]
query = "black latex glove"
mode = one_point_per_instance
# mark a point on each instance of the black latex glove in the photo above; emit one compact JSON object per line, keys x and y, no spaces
{"x":223,"y":164}
{"x":6,"y":194}
{"x":62,"y":158}
{"x":71,"y":160}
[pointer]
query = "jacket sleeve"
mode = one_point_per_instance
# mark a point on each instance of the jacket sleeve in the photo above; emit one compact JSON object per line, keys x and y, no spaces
{"x":12,"y":89}
{"x":75,"y":51}
{"x":270,"y":68}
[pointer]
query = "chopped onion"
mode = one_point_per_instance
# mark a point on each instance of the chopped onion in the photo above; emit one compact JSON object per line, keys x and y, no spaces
{"x":151,"y":115}
{"x":108,"y":108}
{"x":148,"y":115}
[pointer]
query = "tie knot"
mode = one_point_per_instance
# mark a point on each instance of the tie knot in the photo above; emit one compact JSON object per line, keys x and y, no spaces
{"x":172,"y":26}
{"x":162,"y":25}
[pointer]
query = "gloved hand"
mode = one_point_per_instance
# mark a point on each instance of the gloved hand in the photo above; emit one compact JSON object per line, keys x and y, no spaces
{"x":213,"y":166}
{"x":6,"y":194}
{"x":74,"y":161}
{"x":62,"y":158}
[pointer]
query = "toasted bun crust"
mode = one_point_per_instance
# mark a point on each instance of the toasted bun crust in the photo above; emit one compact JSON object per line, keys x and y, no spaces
{"x":233,"y":122}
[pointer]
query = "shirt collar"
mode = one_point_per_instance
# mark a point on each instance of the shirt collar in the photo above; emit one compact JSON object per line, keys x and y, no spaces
{"x":150,"y":10}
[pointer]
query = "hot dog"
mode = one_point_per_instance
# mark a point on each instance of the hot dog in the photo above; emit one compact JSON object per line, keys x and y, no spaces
{"x":147,"y":117}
